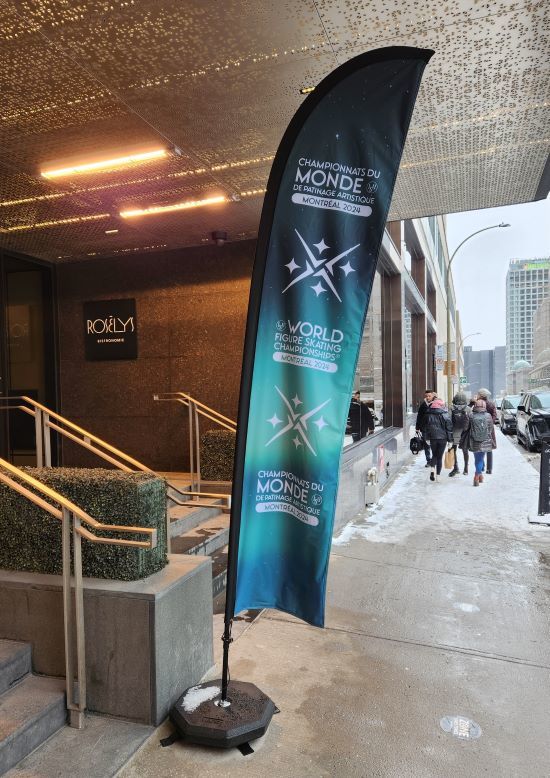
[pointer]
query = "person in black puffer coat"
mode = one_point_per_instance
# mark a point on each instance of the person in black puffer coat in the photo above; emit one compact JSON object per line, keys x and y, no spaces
{"x":438,"y":430}
{"x":460,"y":413}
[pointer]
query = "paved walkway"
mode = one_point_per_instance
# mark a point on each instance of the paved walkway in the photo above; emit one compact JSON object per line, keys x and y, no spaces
{"x":438,"y":606}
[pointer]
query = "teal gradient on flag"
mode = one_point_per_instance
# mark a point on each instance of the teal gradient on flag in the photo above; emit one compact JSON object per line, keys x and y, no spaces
{"x":334,"y":180}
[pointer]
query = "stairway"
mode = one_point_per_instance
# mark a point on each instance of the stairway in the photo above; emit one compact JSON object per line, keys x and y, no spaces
{"x":32,"y":707}
{"x":203,"y":530}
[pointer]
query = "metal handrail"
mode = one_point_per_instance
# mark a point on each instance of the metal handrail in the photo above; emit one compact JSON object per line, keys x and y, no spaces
{"x":72,"y":517}
{"x":43,"y":425}
{"x":202,"y":408}
{"x":196,"y":409}
{"x":88,"y":436}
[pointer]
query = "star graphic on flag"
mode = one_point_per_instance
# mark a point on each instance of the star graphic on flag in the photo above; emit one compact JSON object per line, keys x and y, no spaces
{"x":319,"y":289}
{"x":297,"y":421}
{"x":320,"y":423}
{"x":347,"y":268}
{"x":321,"y":269}
{"x":321,"y":246}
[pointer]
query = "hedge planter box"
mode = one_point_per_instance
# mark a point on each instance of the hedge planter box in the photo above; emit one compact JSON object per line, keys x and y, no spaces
{"x":30,"y":538}
{"x":217,"y":450}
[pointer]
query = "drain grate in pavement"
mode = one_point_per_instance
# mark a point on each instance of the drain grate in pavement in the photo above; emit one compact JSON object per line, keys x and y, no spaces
{"x":460,"y":727}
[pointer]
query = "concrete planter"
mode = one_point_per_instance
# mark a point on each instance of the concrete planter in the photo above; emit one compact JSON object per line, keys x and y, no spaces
{"x":146,"y":641}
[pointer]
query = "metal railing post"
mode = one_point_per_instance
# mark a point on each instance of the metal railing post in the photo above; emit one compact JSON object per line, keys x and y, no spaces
{"x":67,"y":606}
{"x":191,"y":446}
{"x":47,"y":439}
{"x":77,"y":714}
{"x":197,"y":447}
{"x":38,"y":430}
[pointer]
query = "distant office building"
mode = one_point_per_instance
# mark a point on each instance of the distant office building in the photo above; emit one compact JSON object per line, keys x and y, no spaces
{"x":541,"y":333}
{"x":527,"y":286}
{"x":499,"y":371}
{"x":539,"y":376}
{"x":485,"y":368}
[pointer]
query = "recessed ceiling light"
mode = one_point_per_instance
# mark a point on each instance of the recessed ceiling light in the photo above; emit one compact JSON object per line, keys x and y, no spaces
{"x":154,"y":209}
{"x":305,"y":90}
{"x":104,"y":164}
{"x":110,"y":232}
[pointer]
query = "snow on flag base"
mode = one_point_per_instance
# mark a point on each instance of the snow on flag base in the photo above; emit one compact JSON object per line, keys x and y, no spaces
{"x":199,"y":718}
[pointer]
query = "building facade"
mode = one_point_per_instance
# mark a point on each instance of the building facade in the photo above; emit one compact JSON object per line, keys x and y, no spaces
{"x":189,"y":312}
{"x":499,"y":371}
{"x":527,"y":286}
{"x":539,"y":376}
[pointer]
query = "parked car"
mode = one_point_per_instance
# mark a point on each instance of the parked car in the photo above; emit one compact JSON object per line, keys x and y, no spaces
{"x":533,"y":419}
{"x":498,"y":403}
{"x":507,"y":413}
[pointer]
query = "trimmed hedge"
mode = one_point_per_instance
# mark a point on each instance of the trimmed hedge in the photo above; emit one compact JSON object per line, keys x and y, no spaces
{"x":30,"y":538}
{"x":217,"y":450}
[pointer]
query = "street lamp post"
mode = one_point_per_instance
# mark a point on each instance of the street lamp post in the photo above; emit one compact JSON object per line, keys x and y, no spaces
{"x":448,"y":294}
{"x":459,"y":349}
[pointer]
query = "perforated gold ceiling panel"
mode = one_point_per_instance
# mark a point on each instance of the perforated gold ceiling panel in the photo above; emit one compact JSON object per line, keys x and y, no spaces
{"x":219,"y":82}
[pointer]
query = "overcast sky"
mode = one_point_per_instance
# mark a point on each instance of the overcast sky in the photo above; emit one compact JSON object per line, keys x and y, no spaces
{"x":480,"y":266}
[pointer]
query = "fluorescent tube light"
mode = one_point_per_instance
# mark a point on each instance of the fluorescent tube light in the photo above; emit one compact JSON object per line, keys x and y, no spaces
{"x":154,"y":209}
{"x":104,"y":164}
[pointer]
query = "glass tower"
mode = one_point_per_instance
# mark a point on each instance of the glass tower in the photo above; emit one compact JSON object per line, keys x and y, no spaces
{"x":527,"y":286}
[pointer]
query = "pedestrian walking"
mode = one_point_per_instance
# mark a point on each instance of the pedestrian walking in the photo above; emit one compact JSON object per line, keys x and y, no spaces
{"x":429,"y":395}
{"x":485,"y":394}
{"x":479,"y":435}
{"x":460,"y":411}
{"x":438,"y":431}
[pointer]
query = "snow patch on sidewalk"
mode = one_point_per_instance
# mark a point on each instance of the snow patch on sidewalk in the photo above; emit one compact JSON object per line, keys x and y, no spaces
{"x":378,"y":512}
{"x":506,"y":499}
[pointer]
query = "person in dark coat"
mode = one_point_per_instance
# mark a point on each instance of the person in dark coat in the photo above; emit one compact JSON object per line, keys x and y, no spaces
{"x":429,"y":395}
{"x":479,"y":437}
{"x":460,"y":412}
{"x":438,"y":430}
{"x":360,"y":418}
{"x":485,"y":394}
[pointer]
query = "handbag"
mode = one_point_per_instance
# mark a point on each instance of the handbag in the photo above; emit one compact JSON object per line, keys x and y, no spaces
{"x":416,"y":444}
{"x":449,"y":460}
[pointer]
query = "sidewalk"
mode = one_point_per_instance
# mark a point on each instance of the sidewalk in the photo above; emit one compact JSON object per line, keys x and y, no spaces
{"x":438,"y":606}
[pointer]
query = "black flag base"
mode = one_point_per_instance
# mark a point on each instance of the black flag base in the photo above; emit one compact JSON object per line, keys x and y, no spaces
{"x":201,"y":717}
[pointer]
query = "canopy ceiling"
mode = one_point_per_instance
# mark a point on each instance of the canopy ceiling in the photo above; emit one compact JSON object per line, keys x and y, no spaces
{"x":219,"y":82}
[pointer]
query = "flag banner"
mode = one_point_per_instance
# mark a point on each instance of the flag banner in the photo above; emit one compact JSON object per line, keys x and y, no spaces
{"x":322,"y":225}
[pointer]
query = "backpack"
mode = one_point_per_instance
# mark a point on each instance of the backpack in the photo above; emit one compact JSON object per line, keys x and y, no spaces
{"x":460,"y":418}
{"x":479,"y":427}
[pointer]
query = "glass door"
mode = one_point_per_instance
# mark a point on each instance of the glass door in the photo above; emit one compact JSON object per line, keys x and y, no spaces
{"x":27,"y":351}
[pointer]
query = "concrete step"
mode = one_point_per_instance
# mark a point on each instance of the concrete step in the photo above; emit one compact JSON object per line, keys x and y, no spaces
{"x":30,"y":713}
{"x":15,"y":663}
{"x":100,"y":750}
{"x":183,"y":520}
{"x":219,"y":571}
{"x":205,"y":539}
